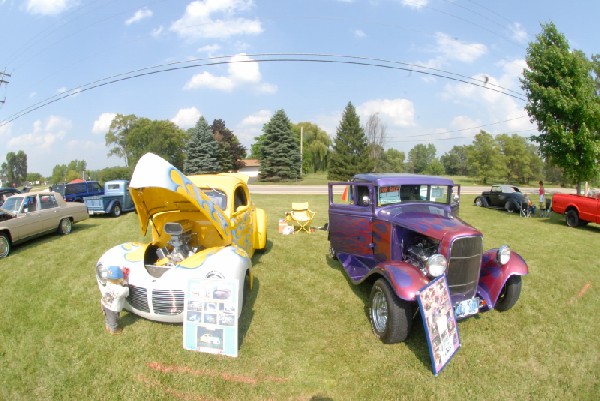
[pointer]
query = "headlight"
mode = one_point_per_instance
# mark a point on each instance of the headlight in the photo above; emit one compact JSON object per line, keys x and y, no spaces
{"x":503,"y":255}
{"x":436,"y":265}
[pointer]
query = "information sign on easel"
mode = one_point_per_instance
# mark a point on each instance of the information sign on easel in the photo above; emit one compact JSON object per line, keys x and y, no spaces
{"x":211,"y":316}
{"x":439,"y":322}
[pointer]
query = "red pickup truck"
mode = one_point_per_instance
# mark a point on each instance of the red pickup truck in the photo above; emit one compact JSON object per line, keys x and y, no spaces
{"x":578,"y":209}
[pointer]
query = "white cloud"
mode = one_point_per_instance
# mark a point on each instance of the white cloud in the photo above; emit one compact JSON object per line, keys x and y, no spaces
{"x":187,"y":118}
{"x":242,"y":70}
{"x":454,"y":49}
{"x":102,"y":124}
{"x":156,"y":32}
{"x":207,"y":80}
{"x":209,"y":49}
{"x":42,"y":136}
{"x":415,"y":3}
{"x":139,"y":15}
{"x":48,"y":7}
{"x":398,"y":112}
{"x":251,"y":126}
{"x":5,"y":129}
{"x":359,"y":33}
{"x":216,"y":19}
{"x":518,"y":33}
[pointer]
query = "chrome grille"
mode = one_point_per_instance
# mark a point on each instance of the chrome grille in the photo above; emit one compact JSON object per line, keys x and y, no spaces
{"x":464,"y":267}
{"x":138,"y":299}
{"x":167,"y":302}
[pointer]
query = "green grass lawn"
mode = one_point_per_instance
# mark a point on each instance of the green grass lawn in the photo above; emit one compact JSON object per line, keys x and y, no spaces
{"x":305,"y":332}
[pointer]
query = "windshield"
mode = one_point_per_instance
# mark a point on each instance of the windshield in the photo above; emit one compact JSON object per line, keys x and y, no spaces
{"x":12,"y":204}
{"x":392,"y":194}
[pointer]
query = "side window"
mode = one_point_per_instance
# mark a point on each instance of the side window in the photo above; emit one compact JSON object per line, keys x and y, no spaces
{"x":351,"y":195}
{"x":30,"y":204}
{"x":239,"y":198}
{"x":48,"y":201}
{"x":95,"y":187}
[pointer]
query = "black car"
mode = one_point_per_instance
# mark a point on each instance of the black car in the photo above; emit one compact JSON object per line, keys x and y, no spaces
{"x":506,"y":197}
{"x":5,"y":192}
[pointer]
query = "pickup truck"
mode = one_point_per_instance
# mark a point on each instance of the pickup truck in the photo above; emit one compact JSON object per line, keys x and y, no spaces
{"x":116,"y":199}
{"x":578,"y":209}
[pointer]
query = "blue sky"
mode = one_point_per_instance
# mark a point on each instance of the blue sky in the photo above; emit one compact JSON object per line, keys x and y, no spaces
{"x":436,"y":71}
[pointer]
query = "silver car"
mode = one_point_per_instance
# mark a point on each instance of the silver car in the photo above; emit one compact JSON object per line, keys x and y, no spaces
{"x":29,"y":215}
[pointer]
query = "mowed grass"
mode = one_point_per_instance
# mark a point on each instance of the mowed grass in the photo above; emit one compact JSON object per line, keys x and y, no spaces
{"x":305,"y":334}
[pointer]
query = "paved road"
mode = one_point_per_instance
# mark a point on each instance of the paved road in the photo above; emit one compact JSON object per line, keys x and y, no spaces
{"x":322,"y":189}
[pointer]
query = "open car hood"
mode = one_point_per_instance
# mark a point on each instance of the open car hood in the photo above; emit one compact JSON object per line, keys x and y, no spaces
{"x":158,"y":187}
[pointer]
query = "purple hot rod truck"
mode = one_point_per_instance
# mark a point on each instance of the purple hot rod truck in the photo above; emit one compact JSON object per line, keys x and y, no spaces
{"x":397,"y":232}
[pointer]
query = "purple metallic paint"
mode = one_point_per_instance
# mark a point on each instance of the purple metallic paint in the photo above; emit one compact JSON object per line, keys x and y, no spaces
{"x":404,"y":278}
{"x":494,"y":276}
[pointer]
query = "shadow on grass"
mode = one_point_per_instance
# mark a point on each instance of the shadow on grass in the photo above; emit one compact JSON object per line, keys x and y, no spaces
{"x":248,"y":311}
{"x":260,"y":253}
{"x":44,"y":239}
{"x":416,"y":341}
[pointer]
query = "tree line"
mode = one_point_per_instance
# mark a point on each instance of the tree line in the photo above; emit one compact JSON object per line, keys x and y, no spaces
{"x":563,"y":98}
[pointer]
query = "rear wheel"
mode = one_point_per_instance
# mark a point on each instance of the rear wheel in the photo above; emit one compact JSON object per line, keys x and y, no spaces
{"x":4,"y":245}
{"x":65,"y":226}
{"x":391,"y":317}
{"x":510,"y":294}
{"x":572,"y":218}
{"x":509,"y":206}
{"x":116,"y":210}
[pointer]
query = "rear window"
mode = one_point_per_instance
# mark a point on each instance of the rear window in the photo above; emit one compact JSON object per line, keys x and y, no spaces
{"x":78,"y":188}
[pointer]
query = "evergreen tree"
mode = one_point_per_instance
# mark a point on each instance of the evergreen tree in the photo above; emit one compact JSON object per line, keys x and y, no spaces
{"x":231,"y":151}
{"x":280,"y":150}
{"x":350,"y":150}
{"x":202,"y":150}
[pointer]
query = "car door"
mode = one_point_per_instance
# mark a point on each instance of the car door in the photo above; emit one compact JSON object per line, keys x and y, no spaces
{"x":49,"y":212}
{"x":495,"y":197}
{"x":351,"y":220}
{"x":30,"y":218}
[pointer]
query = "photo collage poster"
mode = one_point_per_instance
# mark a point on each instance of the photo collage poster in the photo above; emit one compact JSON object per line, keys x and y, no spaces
{"x":211,"y":316}
{"x":439,"y":322}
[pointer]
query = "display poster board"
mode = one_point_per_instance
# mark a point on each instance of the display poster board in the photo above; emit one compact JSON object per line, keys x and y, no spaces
{"x":211,"y":316}
{"x":439,"y":322}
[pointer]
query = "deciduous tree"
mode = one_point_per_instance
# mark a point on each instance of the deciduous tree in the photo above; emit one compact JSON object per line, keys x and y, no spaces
{"x":15,"y":168}
{"x":562,"y":100}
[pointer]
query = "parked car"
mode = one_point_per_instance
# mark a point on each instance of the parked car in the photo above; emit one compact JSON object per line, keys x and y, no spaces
{"x":506,"y":197}
{"x":203,"y":226}
{"x":76,"y":191}
{"x":6,"y":192}
{"x":116,"y":199}
{"x":579,"y":210}
{"x":397,"y":232}
{"x":207,"y":338}
{"x":29,"y":215}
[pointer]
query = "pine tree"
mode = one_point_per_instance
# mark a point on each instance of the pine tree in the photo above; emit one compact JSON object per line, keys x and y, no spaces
{"x":280,"y":150}
{"x":350,"y":149}
{"x":231,"y":151}
{"x":202,"y":150}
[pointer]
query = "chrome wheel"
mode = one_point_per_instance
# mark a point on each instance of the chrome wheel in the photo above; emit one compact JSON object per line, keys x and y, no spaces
{"x":65,"y":226}
{"x":4,"y":246}
{"x":379,"y":311}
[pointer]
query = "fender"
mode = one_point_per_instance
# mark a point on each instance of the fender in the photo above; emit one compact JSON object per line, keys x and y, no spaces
{"x":260,"y":233}
{"x":494,"y":275}
{"x":109,"y":207}
{"x":405,"y":279}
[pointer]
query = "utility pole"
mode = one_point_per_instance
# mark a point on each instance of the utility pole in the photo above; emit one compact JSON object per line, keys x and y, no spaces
{"x":3,"y":81}
{"x":301,"y":140}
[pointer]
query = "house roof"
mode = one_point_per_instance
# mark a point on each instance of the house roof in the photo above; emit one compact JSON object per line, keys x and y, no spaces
{"x":251,"y":163}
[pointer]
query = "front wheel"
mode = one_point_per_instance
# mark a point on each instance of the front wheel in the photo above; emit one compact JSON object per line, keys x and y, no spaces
{"x":65,"y":226}
{"x":478,"y":202}
{"x":332,"y":253}
{"x":572,"y":218}
{"x":510,"y":294}
{"x":4,"y":246}
{"x":391,"y":317}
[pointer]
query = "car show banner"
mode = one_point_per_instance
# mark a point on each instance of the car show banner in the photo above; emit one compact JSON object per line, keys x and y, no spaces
{"x":211,"y":316}
{"x":439,"y":322}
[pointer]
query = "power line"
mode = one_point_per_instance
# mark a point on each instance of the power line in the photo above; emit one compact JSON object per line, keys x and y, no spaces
{"x":264,"y":58}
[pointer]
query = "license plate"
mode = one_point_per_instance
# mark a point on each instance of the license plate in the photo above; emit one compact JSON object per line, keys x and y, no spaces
{"x":466,"y":308}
